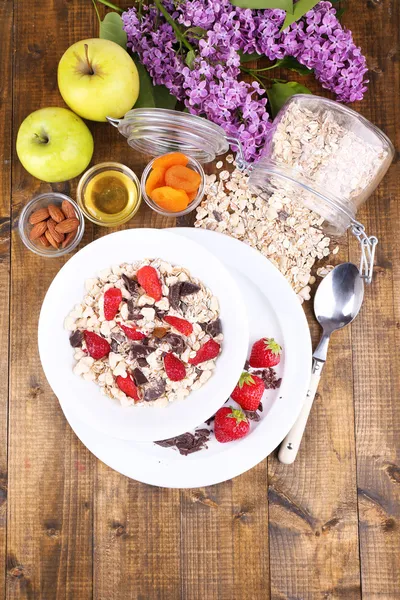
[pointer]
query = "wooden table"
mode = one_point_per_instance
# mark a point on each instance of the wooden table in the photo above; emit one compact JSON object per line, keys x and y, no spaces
{"x":327,"y":527}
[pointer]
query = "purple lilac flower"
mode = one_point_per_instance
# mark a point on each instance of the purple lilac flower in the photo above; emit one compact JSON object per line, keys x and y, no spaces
{"x":211,"y":88}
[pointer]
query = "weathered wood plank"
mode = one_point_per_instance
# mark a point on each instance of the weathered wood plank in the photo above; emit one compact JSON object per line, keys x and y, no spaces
{"x":6,"y":21}
{"x":376,"y":333}
{"x":50,"y":475}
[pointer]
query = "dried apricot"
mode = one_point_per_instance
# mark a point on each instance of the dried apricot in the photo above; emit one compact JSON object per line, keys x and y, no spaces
{"x":170,"y":199}
{"x":168,"y":160}
{"x":182,"y":178}
{"x":192,"y":195}
{"x":155,"y":180}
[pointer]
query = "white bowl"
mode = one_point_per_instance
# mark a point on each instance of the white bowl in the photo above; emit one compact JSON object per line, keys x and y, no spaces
{"x":83,"y":398}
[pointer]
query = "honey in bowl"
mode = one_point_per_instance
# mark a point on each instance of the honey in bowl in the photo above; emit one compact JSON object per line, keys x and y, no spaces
{"x":109,"y":194}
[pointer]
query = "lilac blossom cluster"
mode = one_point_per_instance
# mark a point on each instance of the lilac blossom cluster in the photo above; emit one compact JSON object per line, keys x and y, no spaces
{"x":211,"y":87}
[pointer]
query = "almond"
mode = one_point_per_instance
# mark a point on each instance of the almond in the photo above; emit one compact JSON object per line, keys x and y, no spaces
{"x":68,"y":210}
{"x":38,"y":230}
{"x":56,"y":213}
{"x":51,"y":239}
{"x":58,"y":237}
{"x":68,"y":239}
{"x":67,"y":226}
{"x":41,"y":214}
{"x":44,"y":241}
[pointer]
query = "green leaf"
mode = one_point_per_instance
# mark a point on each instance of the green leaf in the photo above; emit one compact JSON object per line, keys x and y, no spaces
{"x":299,"y":10}
{"x":111,"y":5}
{"x":197,"y":32}
{"x":111,"y":28}
{"x":150,"y":95}
{"x":245,"y":58}
{"x":261,"y":4}
{"x":291,"y":63}
{"x":246,"y":379}
{"x":189,"y":60}
{"x":280,"y":92}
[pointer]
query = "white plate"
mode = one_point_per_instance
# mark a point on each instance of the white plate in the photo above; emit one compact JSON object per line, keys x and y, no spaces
{"x":273,"y":309}
{"x":83,"y":398}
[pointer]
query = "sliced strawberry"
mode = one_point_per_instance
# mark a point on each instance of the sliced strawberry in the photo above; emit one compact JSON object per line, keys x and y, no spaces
{"x":97,"y":346}
{"x":174,"y":368}
{"x":127,"y":385}
{"x":112,"y":300}
{"x":209,"y":351}
{"x":180,"y":325}
{"x":148,"y":278}
{"x":132,"y":333}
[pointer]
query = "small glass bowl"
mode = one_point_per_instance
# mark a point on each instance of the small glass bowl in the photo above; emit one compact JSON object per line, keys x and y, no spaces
{"x":193,"y":164}
{"x":42,"y":201}
{"x":89,"y":175}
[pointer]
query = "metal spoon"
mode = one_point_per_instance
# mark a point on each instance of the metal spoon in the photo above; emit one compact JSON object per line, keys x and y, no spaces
{"x":337,"y":302}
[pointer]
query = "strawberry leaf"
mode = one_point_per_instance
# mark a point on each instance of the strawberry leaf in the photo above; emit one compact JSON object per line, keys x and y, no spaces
{"x":237,"y":414}
{"x":245,"y":379}
{"x":273,"y":346}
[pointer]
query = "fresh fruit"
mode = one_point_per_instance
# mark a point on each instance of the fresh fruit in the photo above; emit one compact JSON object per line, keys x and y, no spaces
{"x":182,"y":178}
{"x":174,"y":368}
{"x":208,"y":351}
{"x":41,"y":214}
{"x":148,"y":278}
{"x":181,"y":325}
{"x":98,"y":79}
{"x":170,"y":199}
{"x":132,"y":333}
{"x":230,"y":424}
{"x":67,"y":225}
{"x":56,"y":213}
{"x":127,"y":385}
{"x":97,"y":346}
{"x":112,"y":300}
{"x":38,"y":230}
{"x":68,"y":210}
{"x":54,"y":144}
{"x":155,"y":180}
{"x":265,"y":353}
{"x":249,"y":391}
{"x":169,"y":160}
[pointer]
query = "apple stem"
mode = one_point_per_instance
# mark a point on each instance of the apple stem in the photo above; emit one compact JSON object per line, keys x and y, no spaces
{"x":91,"y":72}
{"x":42,"y":139}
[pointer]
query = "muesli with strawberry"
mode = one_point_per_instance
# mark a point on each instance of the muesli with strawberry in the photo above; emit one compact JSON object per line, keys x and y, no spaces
{"x":146,"y":333}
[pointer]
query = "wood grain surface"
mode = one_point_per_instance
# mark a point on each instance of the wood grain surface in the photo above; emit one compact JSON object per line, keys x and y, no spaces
{"x":325,"y":528}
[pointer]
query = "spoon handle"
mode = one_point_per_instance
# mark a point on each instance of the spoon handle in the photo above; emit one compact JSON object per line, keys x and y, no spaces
{"x":291,"y":444}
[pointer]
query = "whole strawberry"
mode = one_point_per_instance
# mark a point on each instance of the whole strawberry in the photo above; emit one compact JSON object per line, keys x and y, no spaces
{"x":174,"y":368}
{"x":127,"y":385}
{"x":208,"y":351}
{"x":112,"y":300}
{"x":180,"y":325}
{"x":148,"y":278}
{"x":96,"y":345}
{"x":132,"y":333}
{"x":230,"y":424}
{"x":248,"y":391}
{"x":265,"y":353}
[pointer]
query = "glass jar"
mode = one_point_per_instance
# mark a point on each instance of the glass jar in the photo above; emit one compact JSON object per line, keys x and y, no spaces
{"x":322,"y":153}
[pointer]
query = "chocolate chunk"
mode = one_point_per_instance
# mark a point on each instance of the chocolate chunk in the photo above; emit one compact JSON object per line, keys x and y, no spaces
{"x":138,"y":350}
{"x":260,"y":407}
{"x":210,"y":420}
{"x":217,"y":216}
{"x":252,"y":415}
{"x":134,"y":313}
{"x":142,"y":362}
{"x":187,"y":443}
{"x":76,"y":338}
{"x":176,"y":342}
{"x":174,"y":295}
{"x":283,"y":215}
{"x":139,"y":377}
{"x":160,"y":314}
{"x":268,"y":375}
{"x":114,"y":346}
{"x":246,"y":365}
{"x":155,"y":391}
{"x":214,"y":328}
{"x":130,"y":284}
{"x":187,"y":287}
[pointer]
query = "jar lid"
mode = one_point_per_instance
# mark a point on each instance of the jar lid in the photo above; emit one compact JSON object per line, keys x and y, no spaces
{"x":156,"y":131}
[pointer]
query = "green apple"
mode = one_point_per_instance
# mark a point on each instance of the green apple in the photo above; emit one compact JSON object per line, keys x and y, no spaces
{"x":98,"y":79}
{"x":54,"y":144}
